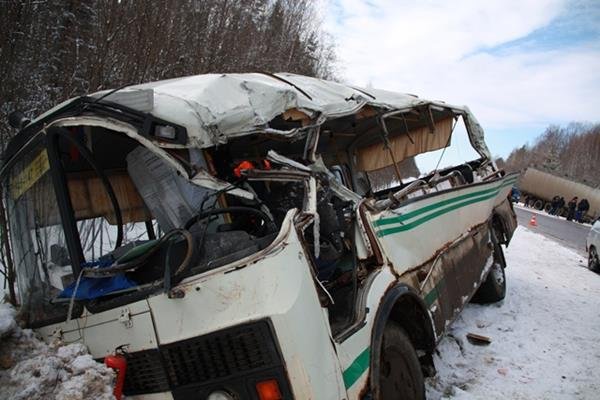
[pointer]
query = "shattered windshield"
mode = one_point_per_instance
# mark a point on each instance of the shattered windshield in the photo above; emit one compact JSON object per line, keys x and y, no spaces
{"x":41,"y":258}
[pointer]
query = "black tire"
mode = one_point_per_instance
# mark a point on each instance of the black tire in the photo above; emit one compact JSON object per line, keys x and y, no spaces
{"x":593,"y":260}
{"x":400,"y":374}
{"x":493,"y":289}
{"x":538,"y":205}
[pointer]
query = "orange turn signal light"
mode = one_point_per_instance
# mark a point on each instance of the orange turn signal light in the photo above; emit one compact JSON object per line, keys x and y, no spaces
{"x":268,"y":390}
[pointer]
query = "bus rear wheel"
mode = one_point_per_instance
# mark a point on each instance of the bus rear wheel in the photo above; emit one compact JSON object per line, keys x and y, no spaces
{"x":493,"y":288}
{"x":400,"y":375}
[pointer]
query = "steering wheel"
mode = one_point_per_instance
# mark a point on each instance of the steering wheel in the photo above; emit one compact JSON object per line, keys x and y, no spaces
{"x":269,"y":223}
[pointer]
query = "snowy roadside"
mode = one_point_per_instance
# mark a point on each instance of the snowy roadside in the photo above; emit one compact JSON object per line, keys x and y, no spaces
{"x":545,"y":342}
{"x":32,"y":370}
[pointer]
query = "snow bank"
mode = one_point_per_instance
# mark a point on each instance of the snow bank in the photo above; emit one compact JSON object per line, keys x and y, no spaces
{"x":7,"y":320}
{"x":544,"y":333}
{"x":31,"y":369}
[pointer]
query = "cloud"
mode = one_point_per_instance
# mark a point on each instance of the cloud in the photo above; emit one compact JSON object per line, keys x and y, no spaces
{"x":502,"y":58}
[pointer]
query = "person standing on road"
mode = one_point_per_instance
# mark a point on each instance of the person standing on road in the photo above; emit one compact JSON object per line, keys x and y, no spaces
{"x":554,"y":205}
{"x":572,"y":205}
{"x":582,"y":208}
{"x":561,"y":204}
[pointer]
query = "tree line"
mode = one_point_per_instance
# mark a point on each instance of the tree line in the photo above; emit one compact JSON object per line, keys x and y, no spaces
{"x":571,"y":151}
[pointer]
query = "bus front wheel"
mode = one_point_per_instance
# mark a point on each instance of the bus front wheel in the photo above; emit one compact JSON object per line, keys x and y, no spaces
{"x":400,"y":375}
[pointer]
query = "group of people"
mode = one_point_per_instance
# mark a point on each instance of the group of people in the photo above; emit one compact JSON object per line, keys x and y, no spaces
{"x":576,"y":208}
{"x":557,"y":203}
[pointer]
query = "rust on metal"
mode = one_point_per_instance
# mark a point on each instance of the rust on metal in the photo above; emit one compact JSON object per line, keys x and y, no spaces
{"x":364,"y":391}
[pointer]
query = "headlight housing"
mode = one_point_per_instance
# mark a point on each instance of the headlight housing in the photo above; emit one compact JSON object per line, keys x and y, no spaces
{"x":220,"y":395}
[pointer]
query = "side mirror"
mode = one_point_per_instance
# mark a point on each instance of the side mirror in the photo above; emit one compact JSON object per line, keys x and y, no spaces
{"x":18,"y":120}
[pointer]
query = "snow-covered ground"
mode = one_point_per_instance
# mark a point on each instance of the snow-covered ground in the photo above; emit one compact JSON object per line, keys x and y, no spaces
{"x":545,"y":334}
{"x":32,"y":370}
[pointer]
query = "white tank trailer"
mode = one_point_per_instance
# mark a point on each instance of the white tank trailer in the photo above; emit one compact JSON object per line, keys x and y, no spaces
{"x":542,"y":186}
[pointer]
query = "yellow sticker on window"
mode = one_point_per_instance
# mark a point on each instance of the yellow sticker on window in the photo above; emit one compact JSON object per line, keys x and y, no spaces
{"x":26,"y":178}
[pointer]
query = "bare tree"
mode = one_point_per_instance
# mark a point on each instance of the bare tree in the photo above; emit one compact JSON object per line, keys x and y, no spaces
{"x":572,"y":151}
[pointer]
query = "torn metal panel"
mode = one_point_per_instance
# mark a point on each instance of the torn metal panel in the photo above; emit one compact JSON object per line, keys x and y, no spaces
{"x":285,"y":161}
{"x":216,"y":108}
{"x":275,"y":175}
{"x":364,"y":241}
{"x":201,"y":177}
{"x":454,"y":274}
{"x":120,"y":126}
{"x":476,"y":135}
{"x":138,"y":99}
{"x":342,"y":191}
{"x":204,"y":179}
{"x":505,"y":223}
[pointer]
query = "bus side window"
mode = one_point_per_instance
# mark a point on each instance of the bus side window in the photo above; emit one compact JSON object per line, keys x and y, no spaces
{"x":342,"y":175}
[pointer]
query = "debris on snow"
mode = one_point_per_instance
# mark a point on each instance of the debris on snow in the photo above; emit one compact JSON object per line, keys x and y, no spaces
{"x":31,"y":369}
{"x":478,"y":340}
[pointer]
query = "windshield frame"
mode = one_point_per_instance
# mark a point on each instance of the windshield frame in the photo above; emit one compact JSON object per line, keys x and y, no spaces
{"x":44,"y":141}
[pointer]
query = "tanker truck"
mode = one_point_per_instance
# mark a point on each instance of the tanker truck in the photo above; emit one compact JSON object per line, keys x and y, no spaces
{"x":539,"y":187}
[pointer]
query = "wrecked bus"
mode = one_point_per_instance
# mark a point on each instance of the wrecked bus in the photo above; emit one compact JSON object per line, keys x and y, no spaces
{"x":219,"y":236}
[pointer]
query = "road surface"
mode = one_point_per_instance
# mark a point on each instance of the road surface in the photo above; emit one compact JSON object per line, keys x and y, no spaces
{"x":568,"y":233}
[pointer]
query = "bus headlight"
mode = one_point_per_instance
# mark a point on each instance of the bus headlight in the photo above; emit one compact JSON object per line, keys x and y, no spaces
{"x":220,"y":395}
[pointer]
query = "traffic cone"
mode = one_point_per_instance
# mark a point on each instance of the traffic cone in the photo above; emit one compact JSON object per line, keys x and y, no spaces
{"x":532,"y":221}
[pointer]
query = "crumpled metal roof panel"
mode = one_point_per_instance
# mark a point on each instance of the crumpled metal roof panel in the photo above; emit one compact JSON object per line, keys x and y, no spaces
{"x":217,"y":107}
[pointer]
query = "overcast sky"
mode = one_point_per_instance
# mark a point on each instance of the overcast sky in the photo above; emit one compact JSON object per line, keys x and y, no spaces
{"x":519,"y":65}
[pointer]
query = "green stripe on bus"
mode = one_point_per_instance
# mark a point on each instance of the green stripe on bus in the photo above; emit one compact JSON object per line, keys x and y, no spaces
{"x":361,"y":362}
{"x":357,"y":368}
{"x":414,"y":213}
{"x":434,"y":293}
{"x":428,"y":217}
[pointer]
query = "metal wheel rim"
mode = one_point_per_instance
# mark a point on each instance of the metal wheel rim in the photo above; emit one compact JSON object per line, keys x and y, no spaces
{"x":593,"y":259}
{"x":395,"y":378}
{"x":497,"y":273}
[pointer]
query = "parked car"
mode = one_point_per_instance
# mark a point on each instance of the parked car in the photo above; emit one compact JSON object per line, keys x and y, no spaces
{"x":592,"y":245}
{"x":219,"y":236}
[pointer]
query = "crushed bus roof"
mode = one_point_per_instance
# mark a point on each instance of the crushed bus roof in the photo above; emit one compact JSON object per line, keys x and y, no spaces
{"x":217,"y":107}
